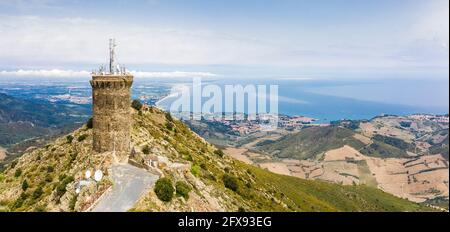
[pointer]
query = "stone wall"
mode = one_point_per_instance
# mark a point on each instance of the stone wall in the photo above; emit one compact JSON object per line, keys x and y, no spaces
{"x":111,"y":96}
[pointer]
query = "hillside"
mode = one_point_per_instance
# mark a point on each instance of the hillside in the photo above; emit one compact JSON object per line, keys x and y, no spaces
{"x":24,"y":119}
{"x":405,"y":156}
{"x":52,"y":173}
{"x":310,"y":142}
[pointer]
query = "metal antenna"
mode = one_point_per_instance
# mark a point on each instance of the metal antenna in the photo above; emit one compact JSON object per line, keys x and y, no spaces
{"x":112,"y":65}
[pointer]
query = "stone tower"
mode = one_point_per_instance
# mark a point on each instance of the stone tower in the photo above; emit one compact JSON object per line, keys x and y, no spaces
{"x":111,"y":96}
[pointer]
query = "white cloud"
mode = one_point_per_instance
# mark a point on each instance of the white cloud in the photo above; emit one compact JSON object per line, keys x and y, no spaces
{"x":72,"y":73}
{"x":44,"y":73}
{"x":173,"y":74}
{"x":39,"y":39}
{"x":33,"y":40}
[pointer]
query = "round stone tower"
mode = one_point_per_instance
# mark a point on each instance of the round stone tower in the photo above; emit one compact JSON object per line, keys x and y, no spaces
{"x":111,"y":98}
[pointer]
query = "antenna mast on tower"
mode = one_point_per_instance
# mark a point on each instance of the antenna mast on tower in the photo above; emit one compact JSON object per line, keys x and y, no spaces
{"x":112,"y":65}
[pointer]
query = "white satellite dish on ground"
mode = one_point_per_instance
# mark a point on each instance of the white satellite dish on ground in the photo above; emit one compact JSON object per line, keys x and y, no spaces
{"x":98,"y":175}
{"x":87,"y":175}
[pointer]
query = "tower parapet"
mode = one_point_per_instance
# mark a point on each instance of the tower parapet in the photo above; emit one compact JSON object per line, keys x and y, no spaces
{"x":111,"y":96}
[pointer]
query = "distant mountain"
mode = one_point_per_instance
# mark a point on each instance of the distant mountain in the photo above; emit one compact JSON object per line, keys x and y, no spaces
{"x":24,"y":119}
{"x":413,"y":150}
{"x":441,"y":148}
{"x":45,"y":179}
{"x":311,"y":142}
{"x":315,"y":141}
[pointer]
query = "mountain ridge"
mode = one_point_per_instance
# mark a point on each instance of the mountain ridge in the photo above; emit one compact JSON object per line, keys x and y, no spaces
{"x":53,"y":172}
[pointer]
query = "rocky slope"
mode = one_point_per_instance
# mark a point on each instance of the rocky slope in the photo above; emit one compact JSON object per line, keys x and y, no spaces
{"x":47,"y":179}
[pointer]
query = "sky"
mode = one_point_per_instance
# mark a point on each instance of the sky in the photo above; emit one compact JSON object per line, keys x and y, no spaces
{"x":292,"y":38}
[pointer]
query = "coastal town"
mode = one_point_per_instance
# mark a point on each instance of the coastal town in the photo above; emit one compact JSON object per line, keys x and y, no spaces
{"x":430,"y":117}
{"x":245,"y":125}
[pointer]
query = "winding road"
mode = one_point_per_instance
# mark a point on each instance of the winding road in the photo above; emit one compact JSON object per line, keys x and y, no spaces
{"x":129,"y":183}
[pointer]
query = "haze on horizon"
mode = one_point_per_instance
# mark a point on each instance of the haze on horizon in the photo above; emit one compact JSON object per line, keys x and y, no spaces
{"x":289,"y":38}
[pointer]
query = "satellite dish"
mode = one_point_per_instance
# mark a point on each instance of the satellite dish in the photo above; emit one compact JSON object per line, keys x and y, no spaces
{"x":87,"y":174}
{"x":77,"y":190}
{"x":98,"y":175}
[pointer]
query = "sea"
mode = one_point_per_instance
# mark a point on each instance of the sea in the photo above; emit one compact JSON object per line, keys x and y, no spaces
{"x":329,"y":99}
{"x":325,"y":99}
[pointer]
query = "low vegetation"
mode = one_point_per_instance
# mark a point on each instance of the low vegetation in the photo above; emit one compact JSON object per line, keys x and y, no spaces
{"x":146,"y":150}
{"x":90,"y":123}
{"x":164,"y":189}
{"x":383,"y":150}
{"x":82,"y":137}
{"x":230,"y":182}
{"x":182,"y":189}
{"x":395,"y":142}
{"x":311,"y":142}
{"x":136,"y":104}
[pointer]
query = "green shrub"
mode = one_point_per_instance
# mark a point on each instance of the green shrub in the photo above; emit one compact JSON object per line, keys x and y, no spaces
{"x":204,"y":166}
{"x":82,"y":137}
{"x":69,"y":138}
{"x":19,"y":202}
{"x":62,"y":177}
{"x":136,"y":104}
{"x":48,"y":178}
{"x":64,"y":181}
{"x":188,"y":157}
{"x":37,"y":193}
{"x":13,"y":164}
{"x":2,"y":177}
{"x":18,"y":172}
{"x":182,"y":189}
{"x":196,"y":170}
{"x":146,"y":150}
{"x":169,"y":126}
{"x":210,"y":176}
{"x":25,"y":185}
{"x":50,"y":168}
{"x":164,"y":189}
{"x":230,"y":182}
{"x":90,"y":123}
{"x":73,"y":202}
{"x":219,"y":153}
{"x":169,"y":117}
{"x":40,"y":208}
{"x":72,"y":158}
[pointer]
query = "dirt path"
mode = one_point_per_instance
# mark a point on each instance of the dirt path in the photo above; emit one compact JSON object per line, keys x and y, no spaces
{"x":238,"y":153}
{"x":129,"y":183}
{"x":2,"y":153}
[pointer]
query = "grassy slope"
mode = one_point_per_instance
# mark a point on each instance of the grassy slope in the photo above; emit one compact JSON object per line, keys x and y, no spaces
{"x":321,"y":196}
{"x":314,"y":141}
{"x":441,"y":148}
{"x":383,"y":150}
{"x":258,"y":190}
{"x":311,"y":142}
{"x":51,"y":169}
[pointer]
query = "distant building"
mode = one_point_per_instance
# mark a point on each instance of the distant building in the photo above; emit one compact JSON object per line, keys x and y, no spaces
{"x":111,"y":96}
